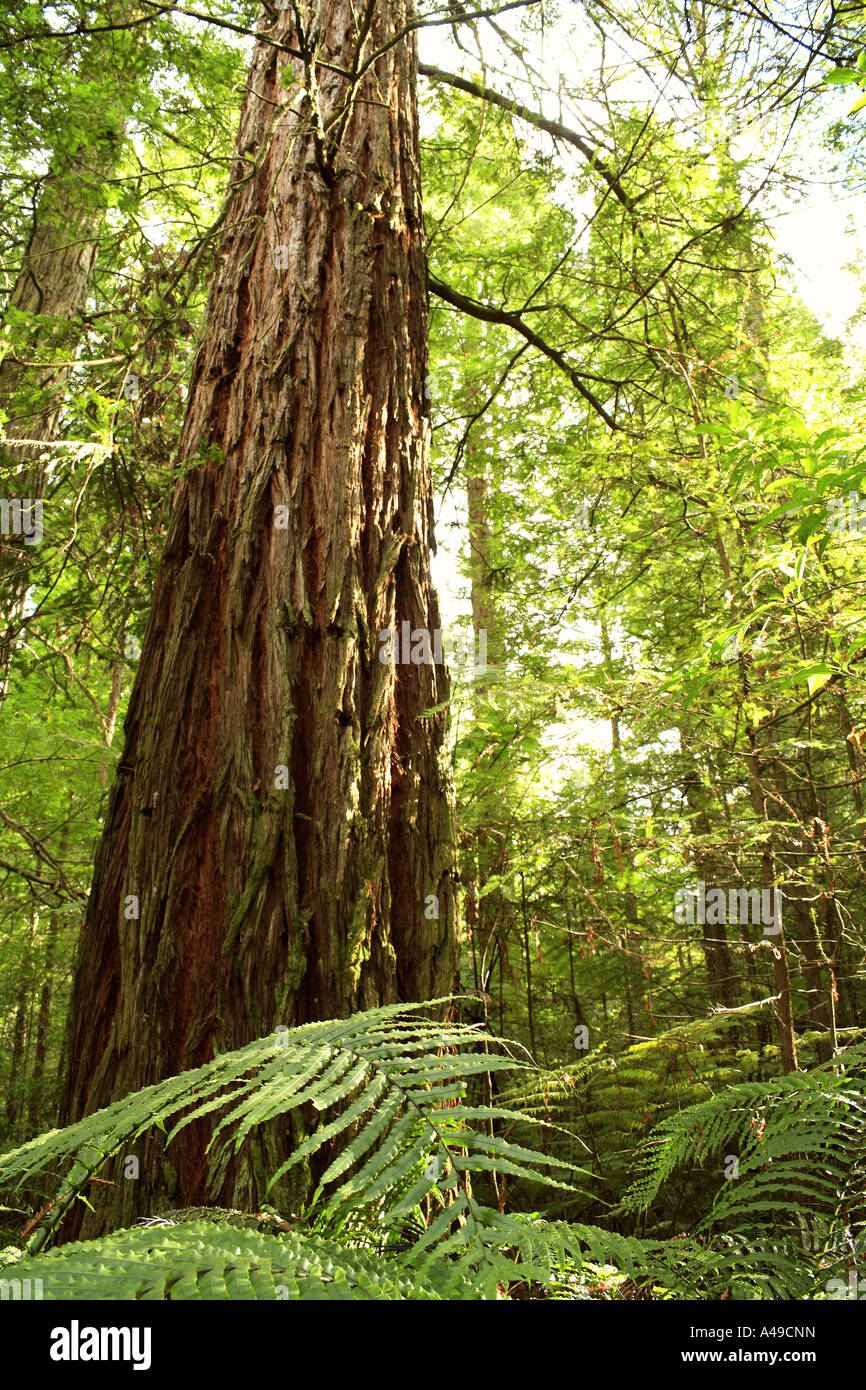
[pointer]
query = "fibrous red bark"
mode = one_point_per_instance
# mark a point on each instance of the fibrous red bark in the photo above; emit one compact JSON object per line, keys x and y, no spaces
{"x":282,"y":809}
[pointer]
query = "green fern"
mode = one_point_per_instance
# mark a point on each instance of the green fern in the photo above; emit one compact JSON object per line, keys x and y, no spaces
{"x":396,"y":1082}
{"x":394,"y":1215}
{"x":394,"y":1203}
{"x":209,"y":1260}
{"x":789,"y":1217}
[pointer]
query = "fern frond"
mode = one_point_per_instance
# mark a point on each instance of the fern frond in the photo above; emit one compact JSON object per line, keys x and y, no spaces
{"x":391,"y":1085}
{"x":204,"y":1260}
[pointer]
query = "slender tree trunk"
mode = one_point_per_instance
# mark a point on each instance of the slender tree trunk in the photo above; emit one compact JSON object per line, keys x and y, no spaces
{"x":15,"y":1099}
{"x":39,"y":1089}
{"x":721,"y":978}
{"x":282,"y":809}
{"x":482,"y":566}
{"x":781,"y":978}
{"x":801,"y":805}
{"x":530,"y":1007}
{"x":817,"y":995}
{"x":631,"y":946}
{"x":16,"y":1061}
{"x":493,"y":915}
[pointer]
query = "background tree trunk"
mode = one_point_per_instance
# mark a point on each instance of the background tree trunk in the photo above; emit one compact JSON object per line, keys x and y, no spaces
{"x":53,"y":282}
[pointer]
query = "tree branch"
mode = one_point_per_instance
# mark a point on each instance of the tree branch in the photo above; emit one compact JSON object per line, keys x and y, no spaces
{"x":554,"y":128}
{"x":510,"y":320}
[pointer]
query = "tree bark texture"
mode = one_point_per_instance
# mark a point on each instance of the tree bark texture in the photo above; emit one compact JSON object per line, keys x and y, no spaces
{"x":301,"y":528}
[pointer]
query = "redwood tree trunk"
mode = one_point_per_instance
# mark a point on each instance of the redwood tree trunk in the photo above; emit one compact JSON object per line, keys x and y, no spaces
{"x":268,"y":897}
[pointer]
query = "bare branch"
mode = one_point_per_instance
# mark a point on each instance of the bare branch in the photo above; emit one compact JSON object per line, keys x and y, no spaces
{"x":554,"y":128}
{"x":511,"y":320}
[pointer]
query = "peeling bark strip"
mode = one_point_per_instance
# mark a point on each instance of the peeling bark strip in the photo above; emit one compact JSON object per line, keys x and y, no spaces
{"x":261,"y":905}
